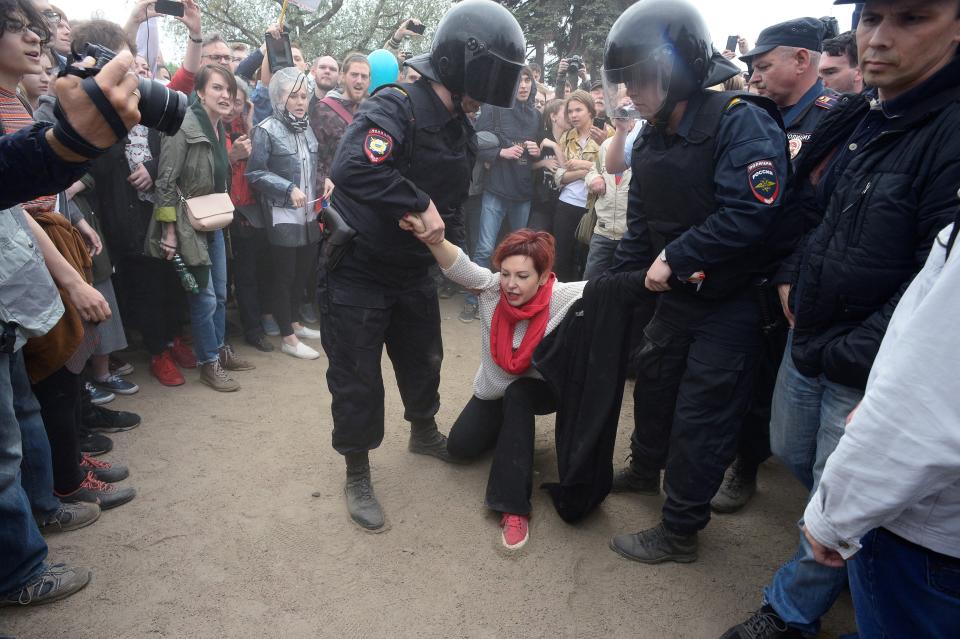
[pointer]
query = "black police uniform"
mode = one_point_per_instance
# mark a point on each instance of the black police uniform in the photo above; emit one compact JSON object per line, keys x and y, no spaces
{"x":709,"y":196}
{"x":800,"y":121}
{"x":403,"y":149}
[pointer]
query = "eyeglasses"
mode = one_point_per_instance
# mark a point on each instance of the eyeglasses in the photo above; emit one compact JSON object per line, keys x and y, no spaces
{"x":19,"y":28}
{"x":52,"y":16}
{"x":220,"y":58}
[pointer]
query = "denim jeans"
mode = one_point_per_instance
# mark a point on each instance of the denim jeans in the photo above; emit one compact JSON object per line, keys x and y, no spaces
{"x":901,"y":589}
{"x":600,"y":257}
{"x":37,"y":465}
{"x":208,"y":314}
{"x":807,"y":421}
{"x":493,"y":209}
{"x":22,"y":549}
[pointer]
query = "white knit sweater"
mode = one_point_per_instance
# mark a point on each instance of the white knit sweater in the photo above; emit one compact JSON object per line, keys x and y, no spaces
{"x":491,"y":381}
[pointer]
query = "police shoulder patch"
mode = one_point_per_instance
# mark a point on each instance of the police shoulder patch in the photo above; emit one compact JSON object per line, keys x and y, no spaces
{"x":826,"y":102}
{"x":764,"y":181}
{"x":377,"y":145}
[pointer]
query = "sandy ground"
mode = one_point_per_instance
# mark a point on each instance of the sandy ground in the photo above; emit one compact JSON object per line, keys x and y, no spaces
{"x":239,"y":530}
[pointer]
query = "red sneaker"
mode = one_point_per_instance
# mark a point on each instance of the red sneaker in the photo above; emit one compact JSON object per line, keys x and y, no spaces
{"x":182,"y":354}
{"x":166,"y":372}
{"x":514,"y":530}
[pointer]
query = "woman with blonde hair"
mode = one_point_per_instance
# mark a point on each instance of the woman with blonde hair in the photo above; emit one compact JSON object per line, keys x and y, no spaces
{"x":579,"y":156}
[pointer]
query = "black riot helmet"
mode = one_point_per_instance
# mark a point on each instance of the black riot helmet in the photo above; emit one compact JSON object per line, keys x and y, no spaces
{"x":478,"y":50}
{"x":660,"y":53}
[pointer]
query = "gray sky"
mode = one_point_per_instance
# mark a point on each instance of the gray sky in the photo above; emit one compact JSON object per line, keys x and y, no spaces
{"x":726,"y":17}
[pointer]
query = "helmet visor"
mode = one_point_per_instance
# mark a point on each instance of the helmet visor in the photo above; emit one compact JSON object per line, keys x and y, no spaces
{"x":493,"y":80}
{"x":646,"y":82}
{"x":618,"y":104}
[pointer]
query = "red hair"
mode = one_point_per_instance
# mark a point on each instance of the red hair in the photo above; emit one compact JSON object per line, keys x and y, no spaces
{"x":539,"y":246}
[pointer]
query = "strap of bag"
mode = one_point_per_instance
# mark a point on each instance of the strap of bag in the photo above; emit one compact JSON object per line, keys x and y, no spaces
{"x":338,"y":109}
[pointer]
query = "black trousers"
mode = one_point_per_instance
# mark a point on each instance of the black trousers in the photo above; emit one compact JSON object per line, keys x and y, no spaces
{"x":754,"y":446}
{"x":694,"y":386}
{"x":566,"y":217}
{"x":253,"y":277}
{"x":59,"y":398}
{"x":152,"y":299}
{"x":505,"y":425}
{"x":357,"y":323}
{"x":291,"y":268}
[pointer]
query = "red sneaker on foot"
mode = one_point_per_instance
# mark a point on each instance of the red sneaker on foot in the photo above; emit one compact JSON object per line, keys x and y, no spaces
{"x":166,"y":372}
{"x":514,"y":530}
{"x":182,"y":354}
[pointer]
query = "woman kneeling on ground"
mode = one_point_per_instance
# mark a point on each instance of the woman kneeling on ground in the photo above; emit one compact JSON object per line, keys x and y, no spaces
{"x":519,"y":304}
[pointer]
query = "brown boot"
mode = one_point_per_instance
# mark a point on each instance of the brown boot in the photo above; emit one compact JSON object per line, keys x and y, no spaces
{"x":230,"y":361}
{"x":213,"y":375}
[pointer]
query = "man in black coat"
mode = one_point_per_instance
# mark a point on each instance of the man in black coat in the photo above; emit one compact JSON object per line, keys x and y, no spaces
{"x":885,"y":175}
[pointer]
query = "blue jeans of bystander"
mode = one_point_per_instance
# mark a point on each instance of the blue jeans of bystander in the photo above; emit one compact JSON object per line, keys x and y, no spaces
{"x":901,"y":589}
{"x":807,"y":421}
{"x":208,"y":308}
{"x":22,"y":549}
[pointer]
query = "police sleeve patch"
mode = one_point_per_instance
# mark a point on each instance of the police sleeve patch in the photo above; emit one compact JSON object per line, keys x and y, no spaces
{"x":764,"y":181}
{"x":377,"y":146}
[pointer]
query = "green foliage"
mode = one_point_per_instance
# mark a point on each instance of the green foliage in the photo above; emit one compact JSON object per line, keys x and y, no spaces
{"x":560,"y":28}
{"x":336,"y":28}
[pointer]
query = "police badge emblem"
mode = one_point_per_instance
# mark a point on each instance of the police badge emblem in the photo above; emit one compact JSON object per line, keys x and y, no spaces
{"x":764,"y":182}
{"x":377,"y":146}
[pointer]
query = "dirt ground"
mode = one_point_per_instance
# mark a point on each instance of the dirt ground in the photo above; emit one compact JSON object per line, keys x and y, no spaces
{"x":239,"y":530}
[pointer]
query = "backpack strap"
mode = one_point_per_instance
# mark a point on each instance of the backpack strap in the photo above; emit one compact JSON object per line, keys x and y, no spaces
{"x":337,"y":108}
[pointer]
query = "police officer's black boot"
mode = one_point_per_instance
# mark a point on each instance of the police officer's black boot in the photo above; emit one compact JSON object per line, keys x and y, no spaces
{"x":631,"y":479}
{"x":656,"y":545}
{"x":362,"y":505}
{"x":425,"y":439}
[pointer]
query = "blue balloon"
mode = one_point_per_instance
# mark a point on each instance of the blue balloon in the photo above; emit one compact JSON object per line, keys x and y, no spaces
{"x":384,"y":68}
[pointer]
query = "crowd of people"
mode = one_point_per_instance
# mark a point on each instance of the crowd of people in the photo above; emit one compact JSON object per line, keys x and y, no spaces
{"x":767,"y":254}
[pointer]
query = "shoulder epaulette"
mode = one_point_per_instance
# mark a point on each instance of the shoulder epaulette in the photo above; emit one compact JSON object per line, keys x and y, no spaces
{"x":826,"y":102}
{"x":734,"y":103}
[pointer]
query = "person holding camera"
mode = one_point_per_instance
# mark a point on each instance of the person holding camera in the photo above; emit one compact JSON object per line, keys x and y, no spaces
{"x":508,"y":186}
{"x":193,"y":163}
{"x":39,"y":160}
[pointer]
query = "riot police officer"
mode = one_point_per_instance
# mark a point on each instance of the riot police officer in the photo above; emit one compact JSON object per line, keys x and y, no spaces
{"x":704,"y":219}
{"x":409,"y":149}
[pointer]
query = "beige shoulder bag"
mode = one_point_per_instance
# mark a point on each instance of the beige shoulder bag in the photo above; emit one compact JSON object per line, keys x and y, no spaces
{"x":208,"y":212}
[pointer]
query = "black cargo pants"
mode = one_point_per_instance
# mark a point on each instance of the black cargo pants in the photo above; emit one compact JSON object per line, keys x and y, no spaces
{"x":694,"y":385}
{"x":357,"y":323}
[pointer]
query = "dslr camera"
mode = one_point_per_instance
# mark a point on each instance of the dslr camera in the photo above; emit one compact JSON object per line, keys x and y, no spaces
{"x":574,"y":64}
{"x":160,"y":108}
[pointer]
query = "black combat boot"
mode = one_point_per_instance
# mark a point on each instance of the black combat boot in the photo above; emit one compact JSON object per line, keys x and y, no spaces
{"x":362,"y":505}
{"x":425,"y":439}
{"x":630,"y":480}
{"x":656,"y":545}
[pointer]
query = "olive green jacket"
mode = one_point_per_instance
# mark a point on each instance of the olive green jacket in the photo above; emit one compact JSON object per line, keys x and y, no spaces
{"x":186,"y":163}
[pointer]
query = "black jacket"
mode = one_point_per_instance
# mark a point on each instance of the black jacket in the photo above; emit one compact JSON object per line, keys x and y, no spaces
{"x":881,"y":219}
{"x":584,"y":362}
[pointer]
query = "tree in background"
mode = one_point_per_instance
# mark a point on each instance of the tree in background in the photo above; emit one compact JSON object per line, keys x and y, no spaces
{"x":562,"y":28}
{"x":336,"y":28}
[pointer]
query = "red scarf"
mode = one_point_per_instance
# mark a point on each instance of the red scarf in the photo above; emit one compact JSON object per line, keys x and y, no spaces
{"x":505,"y":318}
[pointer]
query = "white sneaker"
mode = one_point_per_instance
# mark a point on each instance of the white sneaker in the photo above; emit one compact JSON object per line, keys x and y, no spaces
{"x":300,"y":351}
{"x":307,"y":333}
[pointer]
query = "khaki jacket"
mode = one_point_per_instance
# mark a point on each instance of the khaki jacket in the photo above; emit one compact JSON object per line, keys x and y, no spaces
{"x":611,"y":208}
{"x":186,"y":162}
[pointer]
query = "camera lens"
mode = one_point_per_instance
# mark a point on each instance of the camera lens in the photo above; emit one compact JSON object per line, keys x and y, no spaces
{"x":161,"y":108}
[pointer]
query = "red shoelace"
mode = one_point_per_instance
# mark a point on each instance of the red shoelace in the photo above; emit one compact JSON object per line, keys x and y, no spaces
{"x":89,"y":462}
{"x":91,"y":482}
